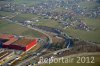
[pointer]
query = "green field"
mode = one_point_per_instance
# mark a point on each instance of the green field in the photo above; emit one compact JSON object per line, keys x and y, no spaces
{"x":89,"y":5}
{"x":28,"y":2}
{"x":47,"y":22}
{"x":92,"y":35}
{"x":12,"y":28}
{"x":23,"y":17}
{"x":2,"y":13}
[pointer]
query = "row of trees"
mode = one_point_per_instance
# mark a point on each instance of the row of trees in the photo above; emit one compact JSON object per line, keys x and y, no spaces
{"x":56,"y":46}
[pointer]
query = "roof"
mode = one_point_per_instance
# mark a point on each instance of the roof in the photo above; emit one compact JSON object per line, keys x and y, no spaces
{"x":10,"y":41}
{"x":10,"y":38}
{"x":6,"y":36}
{"x":23,"y":42}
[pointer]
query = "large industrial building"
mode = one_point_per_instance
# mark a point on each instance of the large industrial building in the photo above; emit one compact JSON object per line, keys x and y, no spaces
{"x":18,"y":43}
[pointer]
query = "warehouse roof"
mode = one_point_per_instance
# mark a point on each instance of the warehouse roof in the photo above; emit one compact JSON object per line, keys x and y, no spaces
{"x":6,"y":36}
{"x":10,"y":38}
{"x":23,"y":41}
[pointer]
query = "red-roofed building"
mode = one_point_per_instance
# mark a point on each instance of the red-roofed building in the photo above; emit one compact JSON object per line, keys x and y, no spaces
{"x":12,"y":42}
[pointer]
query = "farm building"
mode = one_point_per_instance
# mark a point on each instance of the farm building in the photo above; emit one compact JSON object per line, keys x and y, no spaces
{"x":18,"y":43}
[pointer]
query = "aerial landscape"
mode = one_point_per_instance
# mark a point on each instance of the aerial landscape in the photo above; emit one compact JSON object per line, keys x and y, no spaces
{"x":49,"y":32}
